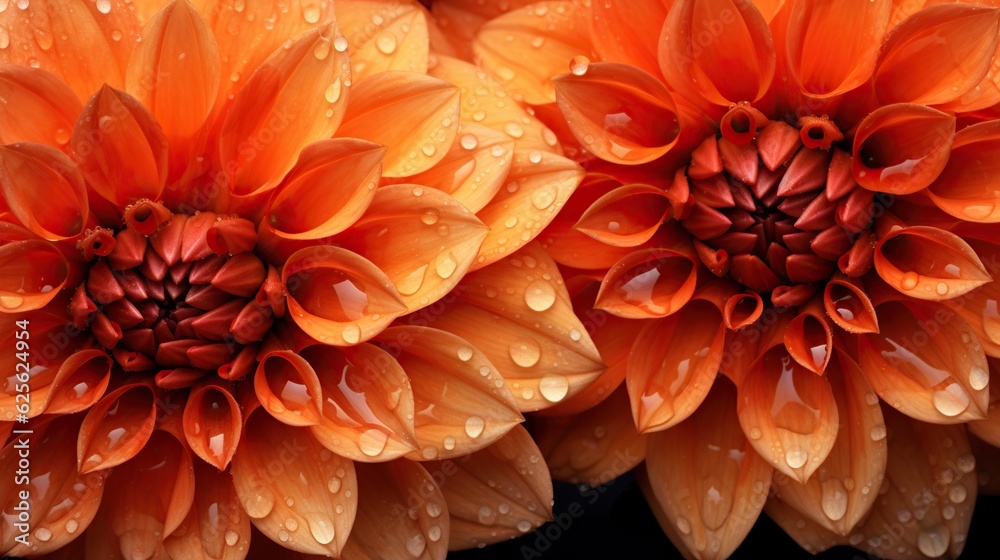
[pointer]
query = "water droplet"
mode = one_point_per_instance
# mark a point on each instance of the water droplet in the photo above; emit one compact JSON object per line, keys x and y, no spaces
{"x":72,"y":525}
{"x":540,"y":295}
{"x":952,"y":400}
{"x":232,"y":537}
{"x":433,"y":509}
{"x":322,"y":49}
{"x":449,"y":443}
{"x":878,"y":433}
{"x":578,"y":65}
{"x":486,"y":515}
{"x":834,"y":499}
{"x":957,"y":493}
{"x":525,"y":352}
{"x":386,"y":43}
{"x":796,"y":456}
{"x":333,"y":91}
{"x":415,"y":545}
{"x":103,"y":6}
{"x":535,"y":156}
{"x":291,"y":524}
{"x":524,"y":525}
{"x":474,"y":426}
{"x":44,"y":40}
{"x":934,"y":542}
{"x":469,"y":142}
{"x":446,"y":266}
{"x":340,"y":43}
{"x":430,"y":216}
{"x":575,"y":335}
{"x":553,"y":387}
{"x":966,"y":463}
{"x":11,"y":301}
{"x":311,"y":13}
{"x":372,"y":442}
{"x":755,"y":433}
{"x":434,"y":533}
{"x":979,"y":378}
{"x":464,"y":353}
{"x":513,"y":130}
{"x":544,"y":197}
{"x":320,"y":527}
{"x":871,"y":398}
{"x":942,"y":288}
{"x":351,"y":334}
{"x":910,"y":280}
{"x":43,"y":534}
{"x":683,"y":525}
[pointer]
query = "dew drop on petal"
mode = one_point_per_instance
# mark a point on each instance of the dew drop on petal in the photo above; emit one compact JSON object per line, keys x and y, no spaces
{"x":351,"y":334}
{"x":952,"y":400}
{"x":934,"y":542}
{"x":464,"y":353}
{"x":525,"y":352}
{"x":540,"y":295}
{"x":474,"y":426}
{"x":979,"y":378}
{"x":796,"y":456}
{"x":578,"y":65}
{"x":232,"y":537}
{"x":553,"y":387}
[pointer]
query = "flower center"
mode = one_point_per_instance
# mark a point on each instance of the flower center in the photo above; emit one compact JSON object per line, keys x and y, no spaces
{"x":178,"y":295}
{"x":775,"y":207}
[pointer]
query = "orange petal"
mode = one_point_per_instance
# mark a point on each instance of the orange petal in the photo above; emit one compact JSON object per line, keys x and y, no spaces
{"x":475,"y":168}
{"x":988,"y":429}
{"x":850,"y":57}
{"x":593,"y":448}
{"x":114,"y":128}
{"x":526,"y":47}
{"x":216,"y":528}
{"x":61,"y":501}
{"x":461,"y":19}
{"x":923,"y":362}
{"x":368,"y":403}
{"x":362,"y":302}
{"x":707,"y":479}
{"x":627,"y":216}
{"x":517,"y":312}
{"x":79,"y":383}
{"x":518,"y":501}
{"x":329,"y":188}
{"x":414,"y":115}
{"x":630,"y":35}
{"x":403,"y":514}
{"x":848,"y":305}
{"x":310,"y":503}
{"x":212,"y":423}
{"x":967,"y":188}
{"x":537,"y":187}
{"x":789,"y":413}
{"x":288,"y":387}
{"x":36,"y":106}
{"x":928,"y":263}
{"x":809,"y":341}
{"x":647,"y":284}
{"x":383,"y":37}
{"x":620,"y":113}
{"x":44,"y":189}
{"x":43,"y":370}
{"x":736,"y":65}
{"x":668,"y":381}
{"x":937,"y":54}
{"x":86,"y":44}
{"x":421,"y":238}
{"x":980,"y":307}
{"x":742,"y":310}
{"x":461,"y":402}
{"x":297,"y":96}
{"x":117,"y":427}
{"x":840,"y":493}
{"x":901,"y":149}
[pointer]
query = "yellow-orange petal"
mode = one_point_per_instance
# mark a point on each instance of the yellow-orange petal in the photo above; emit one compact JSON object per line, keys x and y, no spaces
{"x":809,"y":340}
{"x":384,"y":37}
{"x":361,"y":303}
{"x":631,"y":36}
{"x":707,"y":479}
{"x":212,"y":423}
{"x":518,"y":313}
{"x":296,"y":97}
{"x":738,"y":61}
{"x":289,"y":389}
{"x":386,"y":527}
{"x":114,"y":128}
{"x":461,"y":19}
{"x":44,"y":189}
{"x":423,"y":240}
{"x":937,"y":54}
{"x":35,"y":106}
{"x":967,"y":187}
{"x":788,"y":413}
{"x":537,"y":187}
{"x":925,"y":363}
{"x":368,"y":409}
{"x":475,"y":168}
{"x":216,"y":527}
{"x":627,"y":216}
{"x":667,"y":382}
{"x":836,"y":496}
{"x":329,"y":188}
{"x":315,"y":489}
{"x":620,"y":113}
{"x":849,"y":58}
{"x":592,"y":448}
{"x":86,"y":44}
{"x":521,"y":481}
{"x":462,"y":404}
{"x":647,"y":284}
{"x":929,"y":263}
{"x":849,"y":306}
{"x":117,"y":427}
{"x":415,"y":116}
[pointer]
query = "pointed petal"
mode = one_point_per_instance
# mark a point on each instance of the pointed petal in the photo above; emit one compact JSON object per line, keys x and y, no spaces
{"x":924,"y":364}
{"x":117,"y":427}
{"x":44,"y":189}
{"x":742,"y":310}
{"x":413,"y":115}
{"x":967,"y":188}
{"x":627,"y":216}
{"x":647,"y":284}
{"x":479,"y":408}
{"x":980,"y":307}
{"x":212,"y":424}
{"x":620,"y":113}
{"x":929,"y":263}
{"x":707,"y":479}
{"x":383,"y":38}
{"x":35,"y":107}
{"x":289,"y":389}
{"x":310,"y":503}
{"x":79,"y":383}
{"x":809,"y":341}
{"x":361,"y":303}
{"x":849,"y":307}
{"x":32,"y":272}
{"x":630,"y":35}
{"x":216,"y":527}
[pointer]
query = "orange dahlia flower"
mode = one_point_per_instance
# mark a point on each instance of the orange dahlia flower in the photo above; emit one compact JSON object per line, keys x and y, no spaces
{"x":212,"y":214}
{"x":803,"y":197}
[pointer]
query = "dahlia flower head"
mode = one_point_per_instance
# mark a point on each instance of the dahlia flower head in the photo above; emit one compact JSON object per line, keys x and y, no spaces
{"x":258,"y":289}
{"x":803,"y":197}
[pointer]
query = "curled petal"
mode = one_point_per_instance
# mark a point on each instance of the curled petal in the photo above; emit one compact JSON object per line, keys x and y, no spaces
{"x":289,"y":389}
{"x":902,"y":149}
{"x":967,"y":188}
{"x":706,"y":478}
{"x":809,"y":341}
{"x":928,"y":263}
{"x":789,"y":413}
{"x":36,"y":106}
{"x":422,"y":239}
{"x":627,"y":216}
{"x":79,"y":383}
{"x":620,"y":113}
{"x":742,"y":310}
{"x":212,"y":423}
{"x":44,"y":189}
{"x":520,"y":480}
{"x":216,"y":527}
{"x":667,"y":382}
{"x":937,"y":54}
{"x":117,"y":427}
{"x":647,"y":284}
{"x":924,"y":363}
{"x":296,"y":97}
{"x":414,"y":115}
{"x":338,"y":297}
{"x":849,"y":307}
{"x":367,"y":403}
{"x":316,"y":489}
{"x":479,"y":408}
{"x":383,"y":38}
